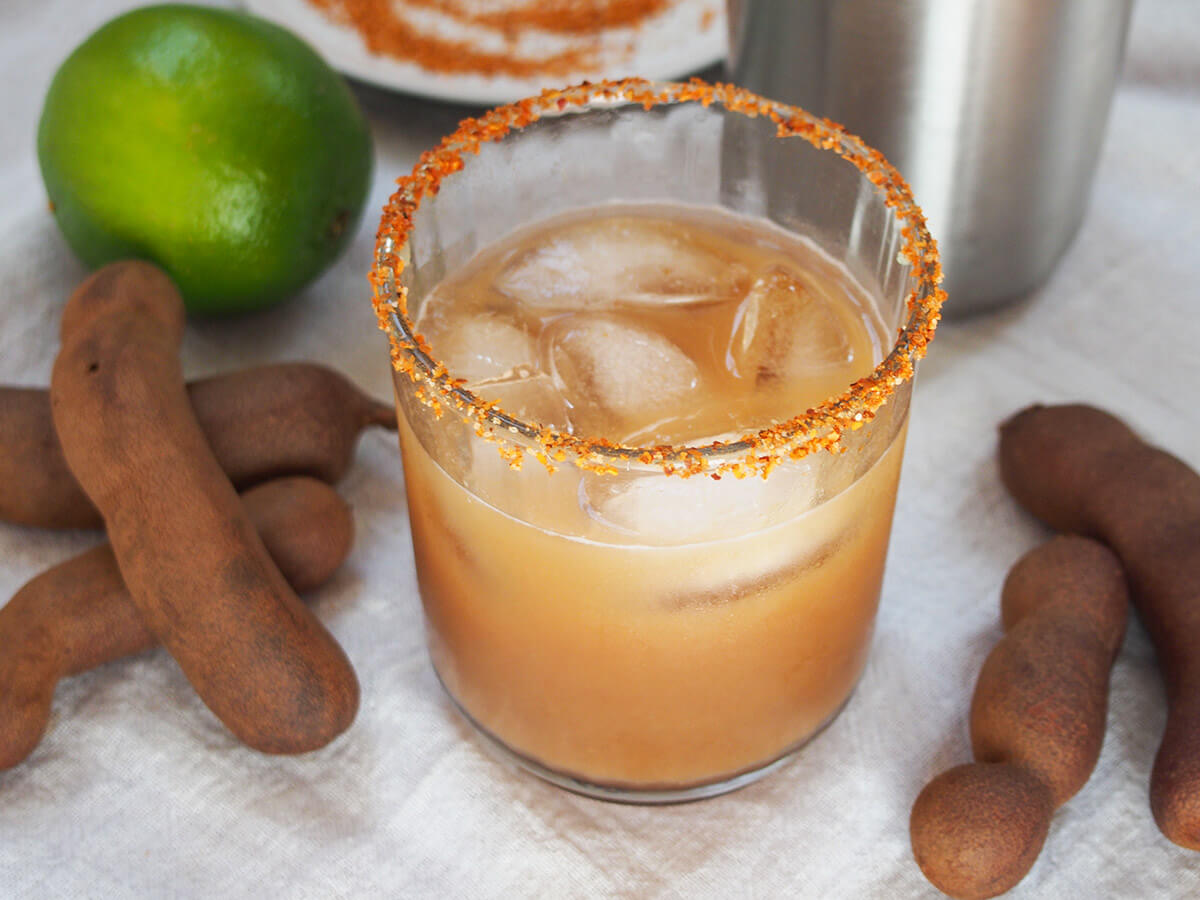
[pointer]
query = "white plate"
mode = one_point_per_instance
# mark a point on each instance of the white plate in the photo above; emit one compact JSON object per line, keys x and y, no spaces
{"x":688,"y":36}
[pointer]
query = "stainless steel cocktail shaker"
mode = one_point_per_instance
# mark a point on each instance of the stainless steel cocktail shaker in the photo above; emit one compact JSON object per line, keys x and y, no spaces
{"x":994,"y":110}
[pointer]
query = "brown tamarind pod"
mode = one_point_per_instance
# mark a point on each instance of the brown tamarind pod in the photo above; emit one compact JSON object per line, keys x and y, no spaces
{"x":1037,"y":721}
{"x":1075,"y":576}
{"x":978,"y":828}
{"x":189,"y":555}
{"x":261,"y":423}
{"x":78,"y":615}
{"x":1079,"y":469}
{"x":1041,"y":701}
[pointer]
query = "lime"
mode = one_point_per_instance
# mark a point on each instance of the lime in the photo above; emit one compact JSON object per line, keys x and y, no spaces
{"x":216,"y":144}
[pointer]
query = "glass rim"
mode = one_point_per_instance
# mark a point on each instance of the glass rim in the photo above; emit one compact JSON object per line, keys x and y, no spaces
{"x":754,"y":453}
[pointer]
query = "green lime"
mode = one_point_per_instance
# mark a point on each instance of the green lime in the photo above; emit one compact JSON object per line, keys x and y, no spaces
{"x":216,"y":144}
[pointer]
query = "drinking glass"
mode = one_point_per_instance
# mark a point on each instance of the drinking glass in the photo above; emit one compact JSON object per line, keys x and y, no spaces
{"x":651,"y":624}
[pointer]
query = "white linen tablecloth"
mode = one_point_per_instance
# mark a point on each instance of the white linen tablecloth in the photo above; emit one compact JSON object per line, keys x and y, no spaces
{"x":137,"y":791}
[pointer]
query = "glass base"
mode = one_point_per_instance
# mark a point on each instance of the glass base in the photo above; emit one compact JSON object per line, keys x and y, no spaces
{"x":642,"y":795}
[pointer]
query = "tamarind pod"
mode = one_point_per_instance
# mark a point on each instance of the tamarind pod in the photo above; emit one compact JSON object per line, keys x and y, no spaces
{"x":1037,"y":720}
{"x":977,"y":829}
{"x":194,"y":566}
{"x":1080,"y":469}
{"x":36,"y":487}
{"x":261,"y":422}
{"x":1041,"y":700}
{"x":78,"y":615}
{"x":1072,"y":575}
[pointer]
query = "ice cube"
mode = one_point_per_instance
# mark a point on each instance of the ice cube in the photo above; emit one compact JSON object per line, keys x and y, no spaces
{"x":529,"y":493}
{"x":668,"y":509}
{"x":533,"y":399}
{"x":784,"y":330}
{"x":621,"y":260}
{"x":654,"y":508}
{"x":803,"y":525}
{"x":617,"y":377}
{"x":749,"y":583}
{"x":480,"y":345}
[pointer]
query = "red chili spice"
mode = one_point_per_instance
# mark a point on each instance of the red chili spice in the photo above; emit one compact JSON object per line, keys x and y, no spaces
{"x":387,"y":30}
{"x":558,"y":16}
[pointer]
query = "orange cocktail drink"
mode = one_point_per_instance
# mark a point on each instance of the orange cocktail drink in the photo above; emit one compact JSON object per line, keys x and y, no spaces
{"x":653,"y":413}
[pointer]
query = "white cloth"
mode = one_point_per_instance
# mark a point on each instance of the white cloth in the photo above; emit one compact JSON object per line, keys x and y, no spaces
{"x":137,"y":791}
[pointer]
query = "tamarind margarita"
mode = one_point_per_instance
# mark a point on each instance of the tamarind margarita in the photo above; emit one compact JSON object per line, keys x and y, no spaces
{"x":651,"y":428}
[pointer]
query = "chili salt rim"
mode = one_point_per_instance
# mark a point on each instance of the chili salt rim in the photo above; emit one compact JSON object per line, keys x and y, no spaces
{"x":755,"y":453}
